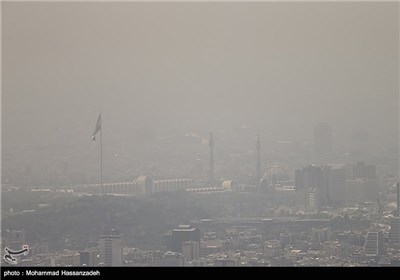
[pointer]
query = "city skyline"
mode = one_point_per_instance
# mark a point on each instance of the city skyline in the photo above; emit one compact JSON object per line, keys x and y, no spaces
{"x":227,"y":134}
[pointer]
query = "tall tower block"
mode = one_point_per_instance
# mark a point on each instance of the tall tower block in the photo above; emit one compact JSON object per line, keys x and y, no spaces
{"x":211,"y":164}
{"x":110,"y":248}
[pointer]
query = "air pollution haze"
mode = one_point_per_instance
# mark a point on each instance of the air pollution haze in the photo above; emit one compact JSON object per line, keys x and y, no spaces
{"x":165,"y":75}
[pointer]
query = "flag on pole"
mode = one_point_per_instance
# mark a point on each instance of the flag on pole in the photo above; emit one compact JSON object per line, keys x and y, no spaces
{"x":97,"y":128}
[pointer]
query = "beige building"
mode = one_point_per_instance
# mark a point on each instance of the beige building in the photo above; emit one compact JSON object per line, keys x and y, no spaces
{"x":110,"y":249}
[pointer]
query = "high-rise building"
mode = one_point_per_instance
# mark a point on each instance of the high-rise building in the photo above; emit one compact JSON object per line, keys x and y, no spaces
{"x":355,"y":191}
{"x":312,"y":203}
{"x":361,"y":170}
{"x":191,"y":250}
{"x":348,"y":169}
{"x":394,"y":233}
{"x":329,"y":180}
{"x":110,"y":248}
{"x":374,"y":244}
{"x":314,"y":177}
{"x":336,"y":184}
{"x":361,"y":190}
{"x":322,"y":140}
{"x":88,"y":258}
{"x":310,"y":176}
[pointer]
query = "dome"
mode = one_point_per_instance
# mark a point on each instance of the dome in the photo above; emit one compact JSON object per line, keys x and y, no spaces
{"x":228,"y":185}
{"x":143,"y":179}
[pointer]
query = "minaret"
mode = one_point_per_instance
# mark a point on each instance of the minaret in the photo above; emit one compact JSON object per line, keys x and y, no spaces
{"x":211,"y":167}
{"x":258,"y":166}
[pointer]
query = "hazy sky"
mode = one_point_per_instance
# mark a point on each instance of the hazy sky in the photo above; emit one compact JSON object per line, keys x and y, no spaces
{"x":277,"y":67}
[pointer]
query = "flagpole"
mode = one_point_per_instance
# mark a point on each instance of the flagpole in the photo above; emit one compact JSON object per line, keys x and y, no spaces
{"x":101,"y":157}
{"x":95,"y":131}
